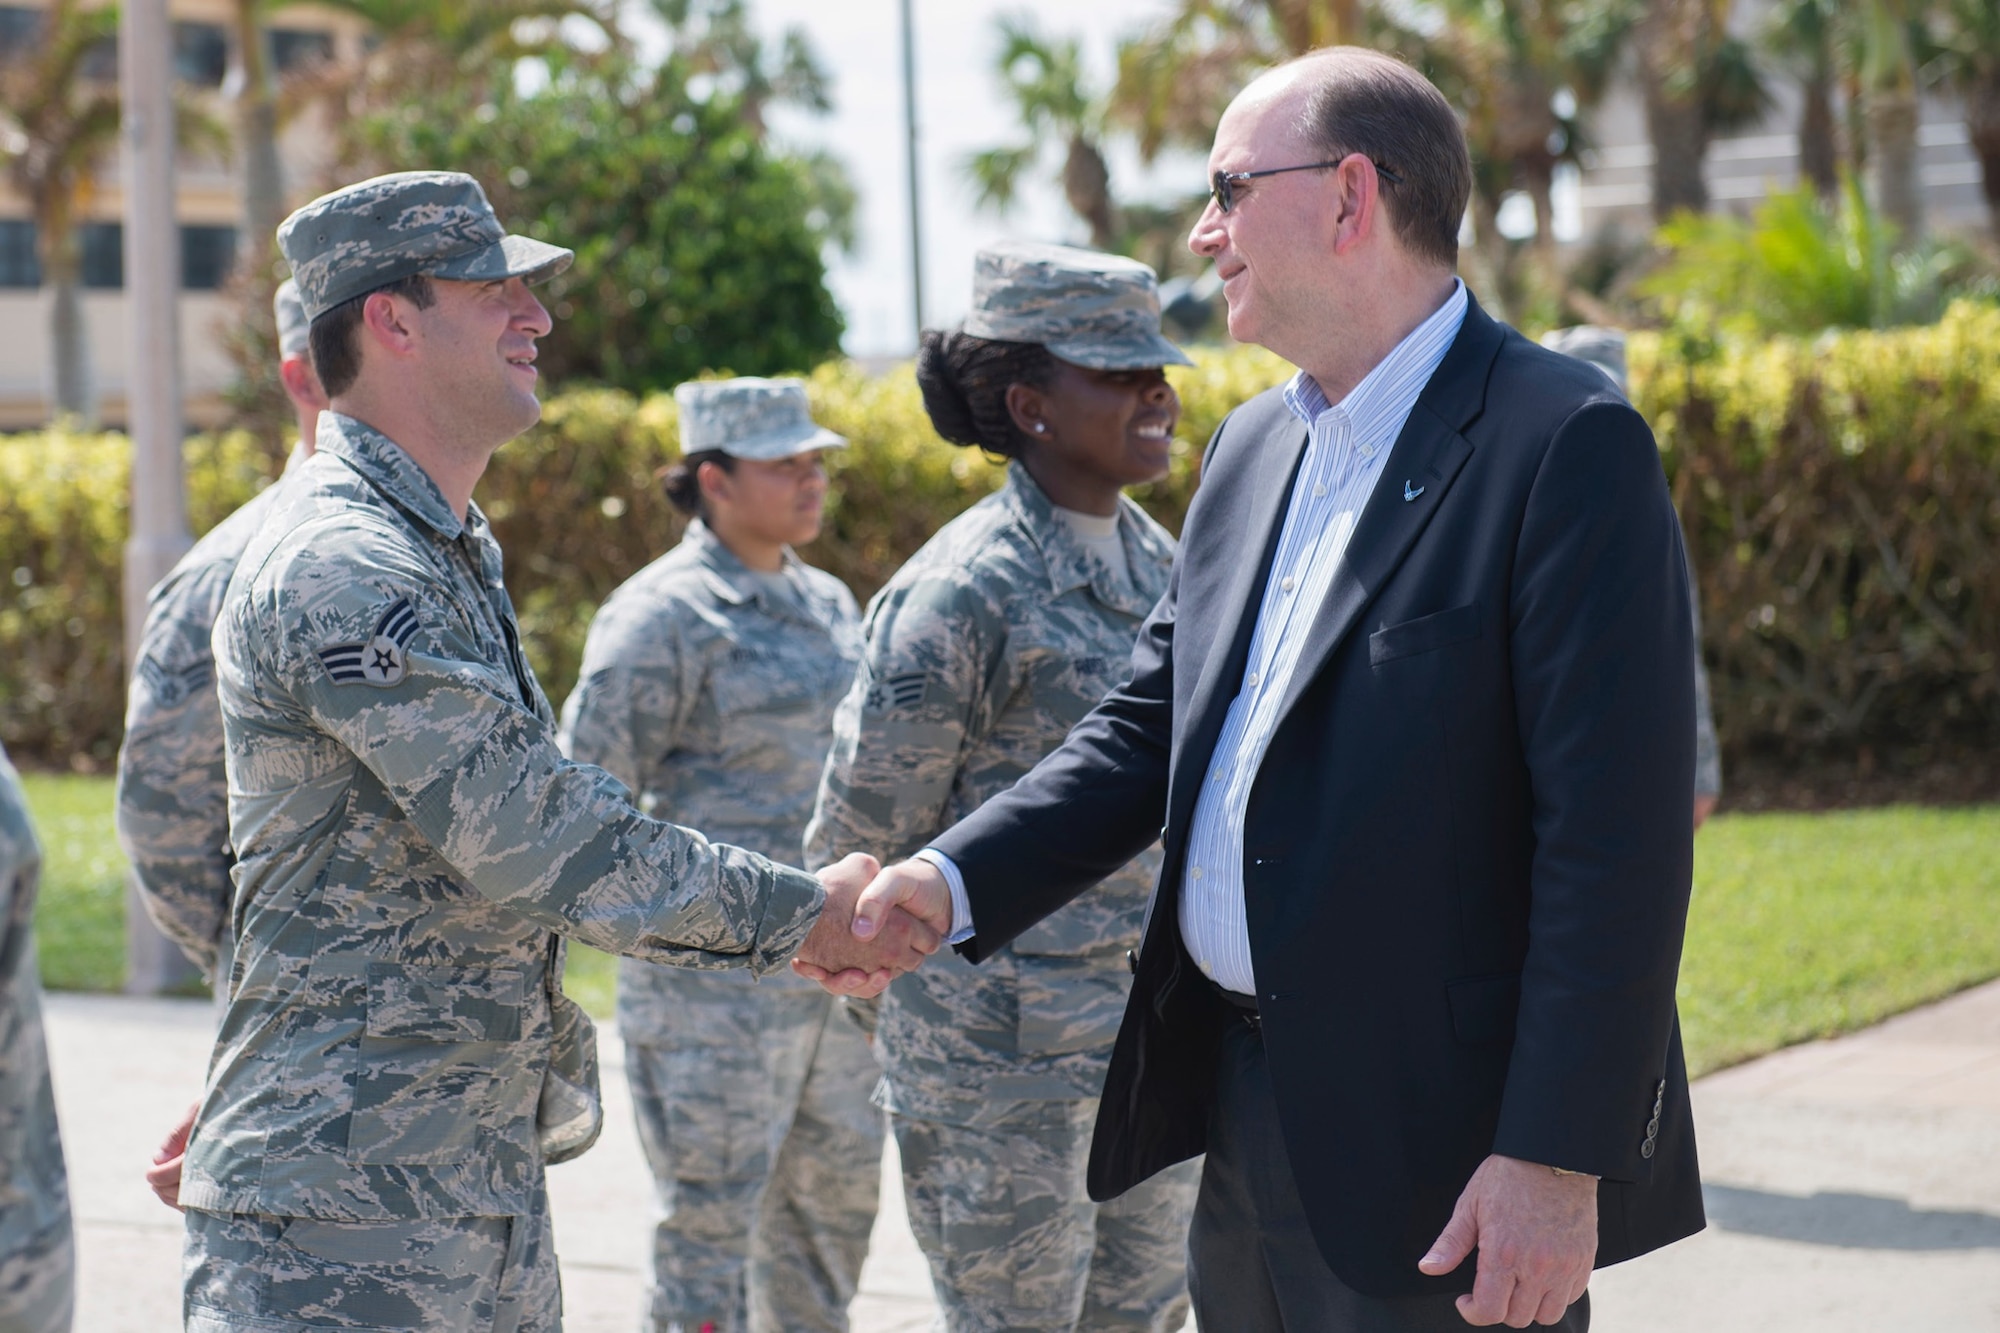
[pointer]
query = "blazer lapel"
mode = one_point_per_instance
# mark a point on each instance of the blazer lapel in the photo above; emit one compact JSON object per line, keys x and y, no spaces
{"x":1426,"y":459}
{"x":1260,"y":519}
{"x":1420,"y":469}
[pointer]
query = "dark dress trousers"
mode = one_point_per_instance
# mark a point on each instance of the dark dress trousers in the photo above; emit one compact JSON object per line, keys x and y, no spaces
{"x":1468,"y":849}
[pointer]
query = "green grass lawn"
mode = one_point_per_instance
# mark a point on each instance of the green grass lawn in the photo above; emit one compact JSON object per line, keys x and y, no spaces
{"x":80,"y":917}
{"x":1808,"y":925}
{"x":1802,"y":926}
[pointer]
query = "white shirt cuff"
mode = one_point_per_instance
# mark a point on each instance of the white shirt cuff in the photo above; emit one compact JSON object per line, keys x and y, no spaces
{"x":961,"y":906}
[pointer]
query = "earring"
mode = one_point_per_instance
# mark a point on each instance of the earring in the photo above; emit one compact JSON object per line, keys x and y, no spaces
{"x":1041,"y":429}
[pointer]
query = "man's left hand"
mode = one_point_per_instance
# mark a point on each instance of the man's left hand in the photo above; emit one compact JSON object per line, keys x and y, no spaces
{"x":1536,"y":1233}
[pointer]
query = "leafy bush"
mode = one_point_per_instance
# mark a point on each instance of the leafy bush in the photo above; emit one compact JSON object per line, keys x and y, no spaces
{"x":697,"y":247}
{"x":1799,"y":266}
{"x":1841,"y":495}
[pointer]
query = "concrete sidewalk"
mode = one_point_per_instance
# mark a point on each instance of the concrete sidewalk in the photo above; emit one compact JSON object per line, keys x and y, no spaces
{"x":1852,"y":1185}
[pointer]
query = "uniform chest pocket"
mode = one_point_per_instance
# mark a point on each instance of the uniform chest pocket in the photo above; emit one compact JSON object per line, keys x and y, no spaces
{"x":1425,"y":634}
{"x":752,"y":680}
{"x":442,"y":1070}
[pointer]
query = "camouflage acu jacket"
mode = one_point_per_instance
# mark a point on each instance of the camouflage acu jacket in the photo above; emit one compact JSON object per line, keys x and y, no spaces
{"x":34,"y":1189}
{"x":710,"y":693}
{"x":173,"y":798}
{"x":408,"y":839}
{"x":980,"y":655}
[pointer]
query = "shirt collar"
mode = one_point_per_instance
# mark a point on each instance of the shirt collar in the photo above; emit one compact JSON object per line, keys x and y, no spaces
{"x":384,"y":464}
{"x":1068,"y":563}
{"x":729,"y":578}
{"x":1388,"y":392}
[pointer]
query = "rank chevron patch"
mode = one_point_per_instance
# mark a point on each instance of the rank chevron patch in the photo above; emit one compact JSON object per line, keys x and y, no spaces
{"x":170,"y":685}
{"x":384,"y":659}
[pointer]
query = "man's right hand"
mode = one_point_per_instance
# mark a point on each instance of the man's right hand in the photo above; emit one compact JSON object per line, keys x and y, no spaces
{"x":908,"y":896}
{"x":164,"y":1175}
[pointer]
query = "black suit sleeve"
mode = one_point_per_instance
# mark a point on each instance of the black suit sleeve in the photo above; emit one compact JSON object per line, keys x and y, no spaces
{"x":1604,"y":697}
{"x":1089,"y":807}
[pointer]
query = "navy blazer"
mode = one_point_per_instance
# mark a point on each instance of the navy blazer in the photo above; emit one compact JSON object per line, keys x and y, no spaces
{"x":1468,"y":850}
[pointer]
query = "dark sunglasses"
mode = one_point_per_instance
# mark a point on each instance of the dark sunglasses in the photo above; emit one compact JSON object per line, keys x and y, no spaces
{"x":1222,"y":185}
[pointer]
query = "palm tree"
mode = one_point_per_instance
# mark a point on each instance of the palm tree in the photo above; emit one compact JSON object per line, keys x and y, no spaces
{"x":1969,"y":55}
{"x":1886,"y":36}
{"x":1044,"y":79}
{"x":717,"y":38}
{"x":57,"y":127}
{"x":1697,"y":78}
{"x":1174,"y":81}
{"x":1523,"y":71}
{"x":1803,"y":35}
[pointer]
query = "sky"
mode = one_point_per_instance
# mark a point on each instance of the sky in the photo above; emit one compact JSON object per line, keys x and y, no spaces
{"x":960,"y":108}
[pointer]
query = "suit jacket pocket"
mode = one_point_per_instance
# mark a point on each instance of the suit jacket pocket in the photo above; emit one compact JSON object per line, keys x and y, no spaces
{"x":1483,"y":1009}
{"x":1424,"y":634}
{"x":442,"y":1068}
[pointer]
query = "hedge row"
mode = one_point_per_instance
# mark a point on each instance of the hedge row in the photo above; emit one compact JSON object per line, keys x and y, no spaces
{"x":1842,"y":497}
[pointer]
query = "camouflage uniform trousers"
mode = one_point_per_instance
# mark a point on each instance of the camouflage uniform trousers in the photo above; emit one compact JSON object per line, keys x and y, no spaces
{"x":766,"y":1152}
{"x":38,"y":1283}
{"x":1013,"y":1240}
{"x":253,"y":1273}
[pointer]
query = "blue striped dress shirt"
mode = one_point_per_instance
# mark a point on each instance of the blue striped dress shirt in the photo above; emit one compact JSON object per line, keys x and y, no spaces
{"x":1348,"y":446}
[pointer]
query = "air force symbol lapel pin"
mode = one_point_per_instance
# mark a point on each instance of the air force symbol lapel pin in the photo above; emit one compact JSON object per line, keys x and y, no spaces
{"x":384,"y":659}
{"x":1409,"y":494}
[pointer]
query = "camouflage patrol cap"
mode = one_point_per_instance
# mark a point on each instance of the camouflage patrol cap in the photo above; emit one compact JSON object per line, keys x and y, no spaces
{"x":294,"y":328}
{"x":1090,"y":309}
{"x":750,"y":418}
{"x":348,"y":243}
{"x":1600,"y":346}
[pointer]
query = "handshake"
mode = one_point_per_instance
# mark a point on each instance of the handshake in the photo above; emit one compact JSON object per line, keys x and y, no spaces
{"x":876,"y":925}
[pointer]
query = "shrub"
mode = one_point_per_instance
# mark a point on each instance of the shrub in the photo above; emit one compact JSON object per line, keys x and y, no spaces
{"x":1800,"y":265}
{"x":1842,"y":498}
{"x":1841,"y":495}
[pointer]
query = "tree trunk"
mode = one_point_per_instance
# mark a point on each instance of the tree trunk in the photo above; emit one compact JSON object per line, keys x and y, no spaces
{"x":69,"y":337}
{"x":1892,"y":161}
{"x":1982,"y":127}
{"x":1819,"y":152}
{"x":1303,"y":25}
{"x":257,"y":145}
{"x":1670,"y":38}
{"x":1087,"y":186}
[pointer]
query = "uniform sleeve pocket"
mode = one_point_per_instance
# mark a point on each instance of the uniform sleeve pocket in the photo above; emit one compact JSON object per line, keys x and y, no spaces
{"x":1483,"y":1009}
{"x":416,"y":1003}
{"x":1424,"y":634}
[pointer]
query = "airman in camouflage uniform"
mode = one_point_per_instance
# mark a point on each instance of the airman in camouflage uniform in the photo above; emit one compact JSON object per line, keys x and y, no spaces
{"x":412,"y":847}
{"x":173,"y":798}
{"x":37,"y":1255}
{"x":981,"y":653}
{"x":1605,"y":349}
{"x":708,"y":688}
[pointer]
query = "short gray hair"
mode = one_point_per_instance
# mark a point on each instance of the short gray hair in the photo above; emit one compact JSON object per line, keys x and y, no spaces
{"x":1367,"y":102}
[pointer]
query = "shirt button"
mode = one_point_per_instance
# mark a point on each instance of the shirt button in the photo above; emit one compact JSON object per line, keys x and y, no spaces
{"x":1194,"y":872}
{"x":1367,"y":451}
{"x":1217,"y":775}
{"x":1318,"y":491}
{"x":1288,"y":583}
{"x":1254,"y":679}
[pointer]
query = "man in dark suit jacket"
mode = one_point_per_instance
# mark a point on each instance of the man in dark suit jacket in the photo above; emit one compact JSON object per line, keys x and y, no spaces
{"x":1417,"y":712}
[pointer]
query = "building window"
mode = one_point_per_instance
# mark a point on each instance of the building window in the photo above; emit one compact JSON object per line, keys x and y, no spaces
{"x":201,"y":54}
{"x":103,"y":255}
{"x":20,"y":266}
{"x":20,"y":30}
{"x":207,"y":254}
{"x":294,"y":47}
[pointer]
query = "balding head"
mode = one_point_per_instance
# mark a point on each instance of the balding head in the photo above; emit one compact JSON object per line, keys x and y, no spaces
{"x":1347,"y":99}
